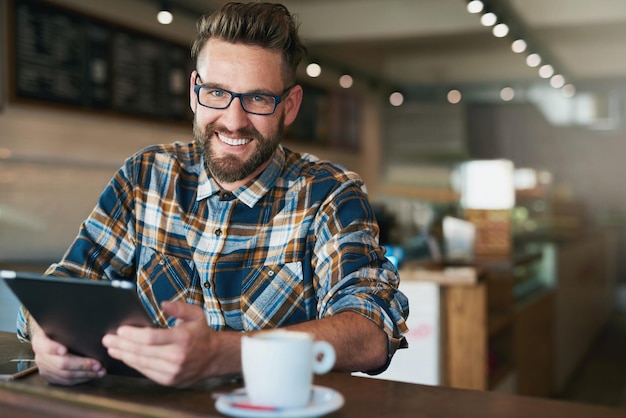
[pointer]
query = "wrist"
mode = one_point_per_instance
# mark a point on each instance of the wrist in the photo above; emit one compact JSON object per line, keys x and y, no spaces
{"x":226,"y":353}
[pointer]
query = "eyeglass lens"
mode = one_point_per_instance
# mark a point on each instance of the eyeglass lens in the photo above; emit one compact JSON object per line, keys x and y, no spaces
{"x":252,"y":102}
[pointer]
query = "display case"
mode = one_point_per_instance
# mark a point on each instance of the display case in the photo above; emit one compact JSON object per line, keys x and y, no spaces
{"x":485,"y":330}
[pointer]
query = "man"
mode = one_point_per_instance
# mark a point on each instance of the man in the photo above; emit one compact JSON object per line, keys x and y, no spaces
{"x":233,"y":232}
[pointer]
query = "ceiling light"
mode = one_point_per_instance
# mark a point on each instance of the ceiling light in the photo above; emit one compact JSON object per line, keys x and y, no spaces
{"x":313,"y":70}
{"x":475,"y":6}
{"x":346,"y":81}
{"x":454,"y":96}
{"x":500,"y":30}
{"x":164,"y":16}
{"x":518,"y":46}
{"x":546,"y":71}
{"x":507,"y":94}
{"x":568,"y":90}
{"x":488,"y":19}
{"x":557,"y":81}
{"x":396,"y":98}
{"x":533,"y":60}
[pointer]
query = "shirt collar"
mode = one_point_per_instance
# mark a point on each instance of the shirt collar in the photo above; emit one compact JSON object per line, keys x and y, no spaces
{"x":251,"y":193}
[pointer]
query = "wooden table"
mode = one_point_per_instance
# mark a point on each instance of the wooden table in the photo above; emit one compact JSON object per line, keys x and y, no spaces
{"x":115,"y":396}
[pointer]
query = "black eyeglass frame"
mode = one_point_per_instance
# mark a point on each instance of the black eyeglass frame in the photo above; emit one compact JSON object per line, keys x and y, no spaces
{"x":277,"y":99}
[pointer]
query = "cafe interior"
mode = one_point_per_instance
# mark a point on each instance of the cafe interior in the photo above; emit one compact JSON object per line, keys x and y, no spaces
{"x":490,"y":135}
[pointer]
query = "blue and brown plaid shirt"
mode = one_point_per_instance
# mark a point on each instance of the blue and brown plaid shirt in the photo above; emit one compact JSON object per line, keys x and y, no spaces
{"x":299,"y":242}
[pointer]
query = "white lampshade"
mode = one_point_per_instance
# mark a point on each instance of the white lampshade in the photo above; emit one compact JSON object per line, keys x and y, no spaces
{"x":487,"y":184}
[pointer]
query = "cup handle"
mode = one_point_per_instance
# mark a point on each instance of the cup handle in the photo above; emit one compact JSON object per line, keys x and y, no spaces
{"x":327,"y":361}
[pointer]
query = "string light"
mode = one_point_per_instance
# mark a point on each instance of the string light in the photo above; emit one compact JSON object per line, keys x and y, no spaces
{"x":507,"y":94}
{"x":533,"y":60}
{"x":518,"y":45}
{"x":346,"y":81}
{"x":313,"y":70}
{"x":546,"y":71}
{"x":557,"y":81}
{"x":454,"y":96}
{"x":396,"y":98}
{"x":475,"y":6}
{"x":568,"y":90}
{"x":488,"y":19}
{"x":164,"y":16}
{"x":500,"y":30}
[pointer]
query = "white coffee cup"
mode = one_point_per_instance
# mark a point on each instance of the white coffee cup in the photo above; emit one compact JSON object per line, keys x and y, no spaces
{"x":278,"y":367}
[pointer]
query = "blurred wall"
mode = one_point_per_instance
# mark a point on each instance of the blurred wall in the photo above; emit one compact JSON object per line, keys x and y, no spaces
{"x":54,"y":163}
{"x":587,"y":164}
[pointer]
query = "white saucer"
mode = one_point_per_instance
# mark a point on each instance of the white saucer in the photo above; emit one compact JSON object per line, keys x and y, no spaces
{"x":324,"y":401}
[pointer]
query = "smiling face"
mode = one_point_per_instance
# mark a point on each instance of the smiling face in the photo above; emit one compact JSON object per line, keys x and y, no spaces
{"x":236,"y":145}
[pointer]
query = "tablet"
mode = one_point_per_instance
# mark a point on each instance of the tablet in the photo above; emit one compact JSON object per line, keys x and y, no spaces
{"x":78,"y":312}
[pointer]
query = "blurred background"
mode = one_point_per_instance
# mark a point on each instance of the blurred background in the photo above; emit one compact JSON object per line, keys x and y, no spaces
{"x":490,"y":136}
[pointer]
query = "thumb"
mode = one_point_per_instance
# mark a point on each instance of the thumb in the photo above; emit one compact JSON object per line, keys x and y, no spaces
{"x":182,"y":311}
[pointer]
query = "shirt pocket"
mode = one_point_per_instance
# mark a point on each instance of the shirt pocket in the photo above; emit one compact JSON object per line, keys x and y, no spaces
{"x":163,"y":277}
{"x":275,"y":295}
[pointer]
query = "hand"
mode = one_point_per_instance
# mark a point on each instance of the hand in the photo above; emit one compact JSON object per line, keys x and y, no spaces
{"x":57,"y":366}
{"x":178,"y":356}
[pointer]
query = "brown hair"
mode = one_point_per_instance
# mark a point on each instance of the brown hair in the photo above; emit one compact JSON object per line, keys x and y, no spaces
{"x":267,"y":25}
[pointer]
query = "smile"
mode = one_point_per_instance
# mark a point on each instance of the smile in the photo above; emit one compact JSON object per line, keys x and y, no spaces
{"x":233,"y":141}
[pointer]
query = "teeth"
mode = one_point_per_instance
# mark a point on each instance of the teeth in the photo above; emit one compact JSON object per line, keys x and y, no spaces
{"x":233,"y":141}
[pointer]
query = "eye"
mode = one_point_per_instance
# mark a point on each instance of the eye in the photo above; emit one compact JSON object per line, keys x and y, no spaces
{"x":216,"y":93}
{"x":261,"y":99}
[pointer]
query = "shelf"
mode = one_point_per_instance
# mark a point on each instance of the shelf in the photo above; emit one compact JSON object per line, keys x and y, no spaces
{"x":420,"y":193}
{"x":506,"y":263}
{"x":437,"y":273}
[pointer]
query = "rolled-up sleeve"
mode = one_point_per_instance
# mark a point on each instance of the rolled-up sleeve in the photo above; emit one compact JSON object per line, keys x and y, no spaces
{"x":352,"y":271}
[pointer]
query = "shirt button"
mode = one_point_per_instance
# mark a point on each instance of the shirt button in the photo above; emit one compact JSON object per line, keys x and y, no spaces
{"x":270,"y":273}
{"x":162,"y":262}
{"x":207,"y":285}
{"x":225,"y":195}
{"x":218,"y":232}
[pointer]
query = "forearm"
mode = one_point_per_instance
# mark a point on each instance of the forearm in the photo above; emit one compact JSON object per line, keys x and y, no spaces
{"x":360,"y":345}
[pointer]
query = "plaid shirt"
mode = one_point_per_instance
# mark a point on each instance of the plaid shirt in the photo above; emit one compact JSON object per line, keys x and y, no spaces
{"x":298,"y":243}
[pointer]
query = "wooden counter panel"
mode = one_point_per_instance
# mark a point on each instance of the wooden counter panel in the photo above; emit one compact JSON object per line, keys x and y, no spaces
{"x":112,"y":396}
{"x":465,"y":310}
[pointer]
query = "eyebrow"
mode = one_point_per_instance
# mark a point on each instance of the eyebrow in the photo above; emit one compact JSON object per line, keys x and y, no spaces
{"x":222,"y":87}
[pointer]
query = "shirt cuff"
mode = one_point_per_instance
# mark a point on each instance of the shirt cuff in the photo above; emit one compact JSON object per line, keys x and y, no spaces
{"x":23,"y":329}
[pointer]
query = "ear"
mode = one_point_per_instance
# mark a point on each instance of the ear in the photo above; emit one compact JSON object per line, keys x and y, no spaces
{"x":193,"y":99}
{"x":292,"y":104}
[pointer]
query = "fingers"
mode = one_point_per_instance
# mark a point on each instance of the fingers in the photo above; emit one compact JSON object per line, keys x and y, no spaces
{"x":145,"y":342}
{"x":170,"y":356}
{"x":69,"y":369}
{"x":57,"y":366}
{"x":154,"y":368}
{"x":182,"y":311}
{"x":151,"y":353}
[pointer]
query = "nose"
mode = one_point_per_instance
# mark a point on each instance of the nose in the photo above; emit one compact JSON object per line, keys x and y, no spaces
{"x":234,"y":117}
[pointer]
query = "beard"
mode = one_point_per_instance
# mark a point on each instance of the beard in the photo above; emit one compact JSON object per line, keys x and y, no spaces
{"x":230,"y":168}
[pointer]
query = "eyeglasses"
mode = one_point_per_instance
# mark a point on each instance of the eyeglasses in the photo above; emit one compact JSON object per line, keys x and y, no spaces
{"x":254,"y":103}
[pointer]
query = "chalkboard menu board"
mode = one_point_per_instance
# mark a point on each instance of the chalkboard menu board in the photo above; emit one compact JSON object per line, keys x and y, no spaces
{"x":327,"y":118}
{"x":68,"y":58}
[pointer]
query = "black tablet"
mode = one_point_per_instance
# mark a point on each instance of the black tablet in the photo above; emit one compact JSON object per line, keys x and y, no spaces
{"x":78,"y":312}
